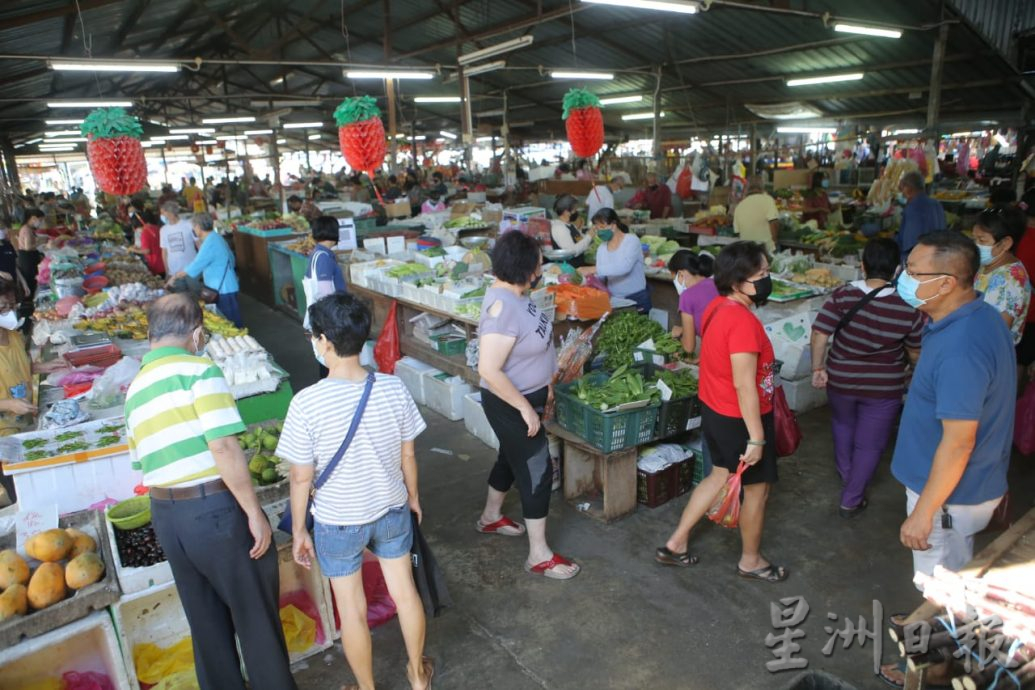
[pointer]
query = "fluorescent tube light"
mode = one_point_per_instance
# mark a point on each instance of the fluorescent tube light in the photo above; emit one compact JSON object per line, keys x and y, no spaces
{"x":207,"y":142}
{"x":314,"y":137}
{"x":642,"y":116}
{"x":482,"y":139}
{"x":282,"y":103}
{"x":899,"y":132}
{"x":90,"y":104}
{"x":437,"y":99}
{"x":497,"y":49}
{"x":663,"y":5}
{"x":63,"y":133}
{"x":447,"y":135}
{"x":806,"y":130}
{"x":232,"y":137}
{"x":620,"y":99}
{"x":281,"y":141}
{"x":257,"y":132}
{"x":227,"y":120}
{"x":419,"y":137}
{"x":387,"y":74}
{"x":867,"y":30}
{"x":56,"y":149}
{"x":301,"y":125}
{"x":193,"y":130}
{"x":490,"y":113}
{"x":171,"y":137}
{"x":122,"y":66}
{"x":483,"y":68}
{"x":827,"y":79}
{"x":64,"y":122}
{"x":64,"y":140}
{"x":565,"y":74}
{"x":34,"y":141}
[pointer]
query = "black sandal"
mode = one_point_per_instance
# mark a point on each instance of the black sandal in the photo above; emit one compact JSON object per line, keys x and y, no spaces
{"x":770,"y":573}
{"x":665,"y":556}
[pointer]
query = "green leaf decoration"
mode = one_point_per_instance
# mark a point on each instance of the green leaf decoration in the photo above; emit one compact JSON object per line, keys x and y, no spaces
{"x":579,"y":98}
{"x":109,"y":123}
{"x":356,"y":110}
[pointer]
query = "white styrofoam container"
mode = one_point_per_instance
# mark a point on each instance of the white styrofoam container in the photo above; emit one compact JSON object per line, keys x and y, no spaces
{"x":475,"y":421}
{"x":133,"y":580}
{"x":443,"y":397}
{"x":802,"y":397}
{"x":88,"y":644}
{"x":293,"y":578}
{"x":154,"y":615}
{"x":74,"y":485}
{"x":412,"y":371}
{"x":411,"y":292}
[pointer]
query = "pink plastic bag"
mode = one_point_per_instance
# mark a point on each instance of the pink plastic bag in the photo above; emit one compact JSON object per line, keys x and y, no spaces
{"x":726,"y":509}
{"x":380,"y":607}
{"x":1024,"y":421}
{"x":86,"y":681}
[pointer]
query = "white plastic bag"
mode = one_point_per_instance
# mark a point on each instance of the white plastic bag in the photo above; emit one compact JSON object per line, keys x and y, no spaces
{"x":110,"y":389}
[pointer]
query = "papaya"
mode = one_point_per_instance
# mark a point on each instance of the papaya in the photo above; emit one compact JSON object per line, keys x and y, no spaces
{"x":49,"y":546}
{"x":84,"y":570}
{"x":47,"y":586}
{"x":81,"y":542}
{"x":13,"y":602}
{"x":13,"y":569}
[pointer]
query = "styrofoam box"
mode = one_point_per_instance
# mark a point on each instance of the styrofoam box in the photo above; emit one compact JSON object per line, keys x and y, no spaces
{"x":154,"y":615}
{"x":293,"y":578}
{"x":475,"y":421}
{"x":412,"y":371}
{"x":802,"y":397}
{"x":75,"y":485}
{"x":133,"y":580}
{"x":444,"y":397}
{"x":411,"y":292}
{"x":88,"y":644}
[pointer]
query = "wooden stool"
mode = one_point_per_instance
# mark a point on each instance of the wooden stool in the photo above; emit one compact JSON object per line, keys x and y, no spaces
{"x":607,"y":481}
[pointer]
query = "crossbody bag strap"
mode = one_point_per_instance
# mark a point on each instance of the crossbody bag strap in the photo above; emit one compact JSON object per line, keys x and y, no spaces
{"x":850,"y":314}
{"x":329,"y":470}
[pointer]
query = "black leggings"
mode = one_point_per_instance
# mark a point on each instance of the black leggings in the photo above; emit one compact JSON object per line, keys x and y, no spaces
{"x":521,"y":459}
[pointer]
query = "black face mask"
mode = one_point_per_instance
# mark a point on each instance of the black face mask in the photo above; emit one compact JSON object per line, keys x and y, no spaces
{"x":535,"y":282}
{"x":573,"y":217}
{"x":763,"y":288}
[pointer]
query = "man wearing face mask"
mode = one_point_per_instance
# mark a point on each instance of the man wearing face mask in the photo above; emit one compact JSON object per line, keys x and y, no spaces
{"x":181,"y":424}
{"x":565,"y":234}
{"x":920,"y":214}
{"x":657,"y":198}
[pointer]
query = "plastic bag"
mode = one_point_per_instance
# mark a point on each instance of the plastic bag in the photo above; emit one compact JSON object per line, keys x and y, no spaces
{"x":301,"y":600}
{"x":299,"y":629}
{"x":683,"y":184}
{"x":181,"y":680}
{"x":380,"y":607}
{"x":582,"y":303}
{"x":86,"y":681}
{"x":386,"y":351}
{"x":726,"y":509}
{"x":788,"y":433}
{"x":1024,"y":421}
{"x":153,"y":663}
{"x":110,"y":389}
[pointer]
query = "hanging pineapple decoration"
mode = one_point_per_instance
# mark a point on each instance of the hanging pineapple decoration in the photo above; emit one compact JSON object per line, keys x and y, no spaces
{"x":361,"y":134}
{"x":583,"y":121}
{"x":114,"y":151}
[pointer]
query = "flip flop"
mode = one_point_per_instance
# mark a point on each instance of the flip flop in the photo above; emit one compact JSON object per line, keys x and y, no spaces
{"x":504,"y":527}
{"x":429,"y":669}
{"x":546,"y":568}
{"x":666,"y":556}
{"x":771,"y":573}
{"x":901,"y":666}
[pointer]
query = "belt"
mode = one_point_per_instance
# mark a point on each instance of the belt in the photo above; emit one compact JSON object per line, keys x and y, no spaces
{"x":186,"y":492}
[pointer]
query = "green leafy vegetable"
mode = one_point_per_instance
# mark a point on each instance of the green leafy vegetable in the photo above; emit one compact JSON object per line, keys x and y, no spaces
{"x":620,"y":335}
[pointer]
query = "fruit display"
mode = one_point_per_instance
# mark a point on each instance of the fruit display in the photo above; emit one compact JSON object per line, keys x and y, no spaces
{"x":263,"y":440}
{"x":583,"y":122}
{"x":114,"y":151}
{"x":463,"y":222}
{"x":93,"y":435}
{"x":217,"y":324}
{"x":295,"y":221}
{"x":122,"y":322}
{"x":138,"y":548}
{"x":266,"y":224}
{"x":714,"y":218}
{"x":950,"y":195}
{"x":817,"y":277}
{"x":106,"y":229}
{"x":303,"y":246}
{"x":884,"y":189}
{"x":361,"y":134}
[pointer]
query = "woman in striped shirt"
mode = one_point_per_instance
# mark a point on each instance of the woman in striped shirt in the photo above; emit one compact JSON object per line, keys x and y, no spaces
{"x":864,"y":370}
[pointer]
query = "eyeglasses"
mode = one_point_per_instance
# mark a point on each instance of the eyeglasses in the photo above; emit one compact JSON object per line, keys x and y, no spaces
{"x":911,"y":274}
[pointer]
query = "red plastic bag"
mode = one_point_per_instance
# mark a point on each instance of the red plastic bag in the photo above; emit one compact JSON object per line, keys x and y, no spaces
{"x":380,"y":607}
{"x":683,"y":184}
{"x":1024,"y":421}
{"x":788,"y":433}
{"x":386,"y":351}
{"x":86,"y":681}
{"x":726,"y":509}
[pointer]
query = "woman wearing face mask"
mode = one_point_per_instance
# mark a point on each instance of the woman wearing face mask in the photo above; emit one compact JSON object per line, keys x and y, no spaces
{"x":619,"y":260}
{"x":564,"y":234}
{"x":696,"y":289}
{"x":736,"y":391}
{"x":214,"y":265}
{"x":1002,"y":280}
{"x":817,"y":203}
{"x":516,"y":362}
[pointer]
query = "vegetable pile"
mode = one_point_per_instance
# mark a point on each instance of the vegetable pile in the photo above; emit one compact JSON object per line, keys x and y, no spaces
{"x":682,"y":382}
{"x":623,"y":386}
{"x":622,"y":333}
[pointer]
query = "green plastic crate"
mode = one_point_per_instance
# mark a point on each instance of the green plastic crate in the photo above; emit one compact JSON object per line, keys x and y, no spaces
{"x":605,"y":431}
{"x":450,"y":345}
{"x":673,"y":416}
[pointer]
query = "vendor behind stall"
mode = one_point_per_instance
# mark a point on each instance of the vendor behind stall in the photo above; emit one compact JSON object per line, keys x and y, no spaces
{"x":564,"y":234}
{"x":603,"y":195}
{"x":657,"y":198}
{"x":756,"y":218}
{"x":619,"y":260}
{"x":817,"y":204}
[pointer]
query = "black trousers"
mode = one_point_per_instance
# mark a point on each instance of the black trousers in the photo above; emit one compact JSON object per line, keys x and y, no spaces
{"x":522,"y":460}
{"x":224,"y":592}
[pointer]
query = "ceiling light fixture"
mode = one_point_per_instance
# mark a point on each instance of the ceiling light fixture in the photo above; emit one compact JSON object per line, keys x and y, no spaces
{"x":867,"y":30}
{"x":257,"y":132}
{"x":314,"y":137}
{"x":63,"y":133}
{"x":387,"y":74}
{"x":806,"y":130}
{"x":56,"y":149}
{"x":663,"y":5}
{"x":278,"y":103}
{"x":447,"y":135}
{"x":437,"y":99}
{"x":227,"y":120}
{"x":301,"y":125}
{"x":207,"y":142}
{"x":899,"y":132}
{"x":620,"y":99}
{"x":173,"y":137}
{"x":90,"y":104}
{"x":522,"y":123}
{"x":827,"y":79}
{"x":63,"y":140}
{"x":490,"y":113}
{"x":232,"y":137}
{"x":34,"y":141}
{"x":497,"y":49}
{"x":642,"y":116}
{"x":120,"y":66}
{"x":419,"y":137}
{"x":64,"y":122}
{"x":483,"y":68}
{"x":193,"y":130}
{"x":566,"y":74}
{"x":483,"y":139}
{"x":281,"y":141}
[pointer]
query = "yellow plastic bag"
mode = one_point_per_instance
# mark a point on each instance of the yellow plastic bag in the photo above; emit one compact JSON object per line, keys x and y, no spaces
{"x":154,"y":663}
{"x":181,"y":680}
{"x":299,"y":629}
{"x":48,"y":684}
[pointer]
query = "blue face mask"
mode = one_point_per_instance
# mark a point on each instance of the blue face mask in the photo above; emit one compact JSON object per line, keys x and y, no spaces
{"x":605,"y":235}
{"x":985,"y":254}
{"x":825,"y":183}
{"x":902,"y":199}
{"x":907,"y":285}
{"x":316,"y":353}
{"x":165,"y":221}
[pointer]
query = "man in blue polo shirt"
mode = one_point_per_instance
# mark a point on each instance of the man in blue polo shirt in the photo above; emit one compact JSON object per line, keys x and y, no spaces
{"x":954,"y":440}
{"x":920,"y":216}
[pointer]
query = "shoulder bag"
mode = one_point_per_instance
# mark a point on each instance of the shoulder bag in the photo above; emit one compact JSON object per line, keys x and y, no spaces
{"x":285,"y":523}
{"x":209,"y":295}
{"x":850,"y":314}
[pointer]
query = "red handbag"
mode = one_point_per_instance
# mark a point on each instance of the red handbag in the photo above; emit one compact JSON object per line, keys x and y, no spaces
{"x":788,"y":433}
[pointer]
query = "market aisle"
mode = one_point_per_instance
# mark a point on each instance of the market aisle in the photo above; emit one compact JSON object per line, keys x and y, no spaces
{"x":626,"y":623}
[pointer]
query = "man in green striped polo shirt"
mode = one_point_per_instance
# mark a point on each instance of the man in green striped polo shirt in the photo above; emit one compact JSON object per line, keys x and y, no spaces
{"x":181,"y":422}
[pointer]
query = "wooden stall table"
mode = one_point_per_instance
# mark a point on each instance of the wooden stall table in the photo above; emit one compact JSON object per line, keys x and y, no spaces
{"x":606,"y":481}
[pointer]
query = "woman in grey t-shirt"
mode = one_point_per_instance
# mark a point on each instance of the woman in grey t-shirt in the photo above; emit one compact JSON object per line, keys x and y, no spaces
{"x":517,"y":361}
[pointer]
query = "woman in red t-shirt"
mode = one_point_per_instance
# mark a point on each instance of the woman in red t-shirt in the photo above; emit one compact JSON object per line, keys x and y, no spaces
{"x":736,"y":391}
{"x":150,"y":247}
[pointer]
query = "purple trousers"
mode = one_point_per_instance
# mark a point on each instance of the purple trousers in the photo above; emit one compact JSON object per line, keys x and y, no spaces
{"x":861,"y":427}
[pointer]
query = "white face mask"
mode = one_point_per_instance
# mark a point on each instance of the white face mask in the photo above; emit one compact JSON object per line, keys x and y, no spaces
{"x":316,"y":353}
{"x":9,"y":321}
{"x":680,"y":288}
{"x":199,"y":349}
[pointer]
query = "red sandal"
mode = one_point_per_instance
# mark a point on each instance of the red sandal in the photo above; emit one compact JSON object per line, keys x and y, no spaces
{"x":546,"y":568}
{"x":504,"y":527}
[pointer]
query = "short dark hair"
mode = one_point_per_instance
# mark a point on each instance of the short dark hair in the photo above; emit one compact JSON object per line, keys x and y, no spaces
{"x":1027,"y":203}
{"x":148,"y":215}
{"x":1001,"y":222}
{"x":173,"y":315}
{"x":344,"y":320}
{"x":607,"y":216}
{"x":34,"y":213}
{"x":565,"y":203}
{"x":325,"y":228}
{"x":294,"y":199}
{"x":9,"y":288}
{"x":956,"y":249}
{"x":881,"y":258}
{"x":697,"y":264}
{"x":436,"y":175}
{"x":736,"y":263}
{"x":913,"y":180}
{"x":515,"y":258}
{"x":393,"y":179}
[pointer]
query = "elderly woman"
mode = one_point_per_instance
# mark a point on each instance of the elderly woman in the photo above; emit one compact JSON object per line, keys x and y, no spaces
{"x":564,"y":234}
{"x":516,"y":362}
{"x":736,"y":391}
{"x":619,"y":260}
{"x":1003,"y":280}
{"x":214,"y":266}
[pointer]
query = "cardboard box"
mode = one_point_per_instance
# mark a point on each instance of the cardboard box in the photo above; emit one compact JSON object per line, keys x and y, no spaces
{"x":491,"y":217}
{"x":399,"y":209}
{"x":462,"y":208}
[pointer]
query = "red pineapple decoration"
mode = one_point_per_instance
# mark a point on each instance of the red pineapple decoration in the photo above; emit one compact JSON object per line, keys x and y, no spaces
{"x":114,"y":151}
{"x":583,"y":121}
{"x":361,"y":134}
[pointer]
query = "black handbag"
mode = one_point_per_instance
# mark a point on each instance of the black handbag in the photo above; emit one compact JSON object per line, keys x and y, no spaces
{"x":429,"y":578}
{"x":285,"y":523}
{"x":209,"y":295}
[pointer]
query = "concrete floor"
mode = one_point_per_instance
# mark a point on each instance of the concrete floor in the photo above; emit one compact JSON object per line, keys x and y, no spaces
{"x":625,"y":622}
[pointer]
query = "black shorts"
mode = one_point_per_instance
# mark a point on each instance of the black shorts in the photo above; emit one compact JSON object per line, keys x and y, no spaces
{"x":727,"y":439}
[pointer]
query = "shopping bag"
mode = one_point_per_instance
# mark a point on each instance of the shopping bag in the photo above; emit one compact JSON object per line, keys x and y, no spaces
{"x":380,"y":607}
{"x":153,"y":663}
{"x":386,"y":351}
{"x":299,"y":629}
{"x":726,"y":509}
{"x":683,"y":184}
{"x":1024,"y":421}
{"x":430,"y":580}
{"x":788,"y":433}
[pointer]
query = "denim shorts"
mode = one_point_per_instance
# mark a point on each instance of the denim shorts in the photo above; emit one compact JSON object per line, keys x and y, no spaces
{"x":339,"y":548}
